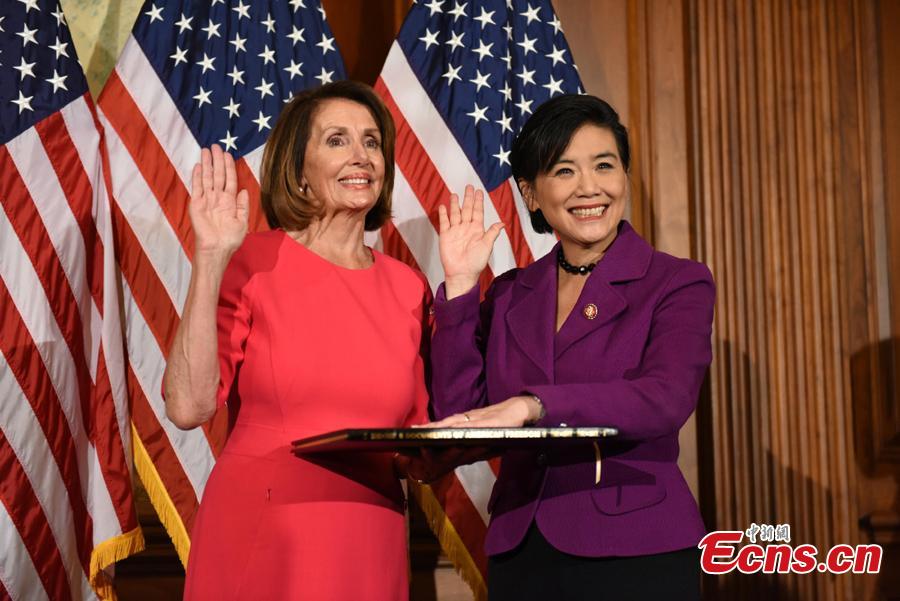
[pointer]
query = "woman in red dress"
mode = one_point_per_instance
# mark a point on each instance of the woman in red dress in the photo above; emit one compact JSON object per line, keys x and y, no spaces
{"x":300,"y":330}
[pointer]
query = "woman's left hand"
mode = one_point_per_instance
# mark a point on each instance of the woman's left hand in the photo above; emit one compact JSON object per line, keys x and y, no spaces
{"x":512,"y":413}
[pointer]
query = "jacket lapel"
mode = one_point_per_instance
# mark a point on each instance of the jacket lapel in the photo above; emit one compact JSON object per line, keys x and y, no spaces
{"x":532,"y":314}
{"x":627,"y":259}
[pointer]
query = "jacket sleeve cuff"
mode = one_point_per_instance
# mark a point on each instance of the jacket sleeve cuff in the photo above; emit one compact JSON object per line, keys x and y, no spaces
{"x":454,"y":311}
{"x":555,"y":406}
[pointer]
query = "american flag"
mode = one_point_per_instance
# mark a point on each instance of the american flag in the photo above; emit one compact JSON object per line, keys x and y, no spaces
{"x":65,"y":441}
{"x":460,"y":80}
{"x":191,"y":74}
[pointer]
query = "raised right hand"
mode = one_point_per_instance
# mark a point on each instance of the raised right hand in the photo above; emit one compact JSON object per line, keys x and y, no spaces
{"x":464,"y":244}
{"x":219,"y":213}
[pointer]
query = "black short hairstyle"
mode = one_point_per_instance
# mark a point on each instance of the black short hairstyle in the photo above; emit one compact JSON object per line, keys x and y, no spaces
{"x":547,"y":133}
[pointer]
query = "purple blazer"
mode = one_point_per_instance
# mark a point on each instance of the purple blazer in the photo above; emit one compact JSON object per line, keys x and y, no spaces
{"x":637,"y":366}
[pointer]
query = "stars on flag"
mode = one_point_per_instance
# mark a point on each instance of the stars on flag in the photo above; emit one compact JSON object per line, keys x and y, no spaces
{"x":478,"y":113}
{"x":452,"y":73}
{"x":239,"y":43}
{"x":524,"y":106}
{"x":25,"y":69}
{"x":184,"y":23}
{"x":326,"y":44}
{"x":430,"y":39}
{"x":23,"y":102}
{"x":236,"y":75}
{"x":526,"y":76}
{"x":294,"y":69}
{"x":555,"y":24}
{"x":155,"y":13}
{"x":242,"y":10}
{"x":262,"y":121}
{"x":531,"y":14}
{"x":455,"y":41}
{"x":485,"y":18}
{"x":202,"y":97}
{"x":557,"y":55}
{"x":207,"y":63}
{"x":229,"y":142}
{"x":325,"y":76}
{"x":484,"y":50}
{"x":458,"y":11}
{"x":37,"y":59}
{"x":57,"y":81}
{"x":203,"y":55}
{"x":527,"y":44}
{"x":296,"y":35}
{"x":480,"y":81}
{"x":267,"y":55}
{"x":515,"y":59}
{"x":553,"y":86}
{"x":505,"y":123}
{"x":60,"y":48}
{"x":30,"y":5}
{"x":264,"y":88}
{"x":434,"y":6}
{"x":502,"y":156}
{"x":212,"y":29}
{"x":232,"y":107}
{"x":27,"y":35}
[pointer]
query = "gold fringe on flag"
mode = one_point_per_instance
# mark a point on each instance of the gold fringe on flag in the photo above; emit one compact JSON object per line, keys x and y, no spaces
{"x":109,"y":552}
{"x":449,"y":539}
{"x":159,"y":498}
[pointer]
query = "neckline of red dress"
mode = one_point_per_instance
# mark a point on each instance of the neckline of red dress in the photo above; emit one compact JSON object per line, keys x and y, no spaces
{"x":296,"y":243}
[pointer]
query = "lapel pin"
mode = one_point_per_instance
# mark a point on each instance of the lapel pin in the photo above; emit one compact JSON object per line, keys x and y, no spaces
{"x":590,"y":311}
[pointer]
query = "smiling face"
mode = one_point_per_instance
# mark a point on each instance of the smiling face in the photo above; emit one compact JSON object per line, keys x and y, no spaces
{"x":582,"y":196}
{"x":343,"y":168}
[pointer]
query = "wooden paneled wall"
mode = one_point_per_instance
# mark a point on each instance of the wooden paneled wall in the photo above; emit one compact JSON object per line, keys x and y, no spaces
{"x":788,"y":183}
{"x":364,"y":31}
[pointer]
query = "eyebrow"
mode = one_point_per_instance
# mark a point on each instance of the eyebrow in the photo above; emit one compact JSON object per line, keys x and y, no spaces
{"x":602,"y":155}
{"x":343,"y":129}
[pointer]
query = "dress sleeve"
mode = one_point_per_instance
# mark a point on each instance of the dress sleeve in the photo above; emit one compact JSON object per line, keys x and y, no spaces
{"x":419,"y":412}
{"x":656,"y":397}
{"x":233,"y":320}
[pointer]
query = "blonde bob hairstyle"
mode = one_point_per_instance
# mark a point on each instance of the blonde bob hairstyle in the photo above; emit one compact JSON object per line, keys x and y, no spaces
{"x":283,"y":199}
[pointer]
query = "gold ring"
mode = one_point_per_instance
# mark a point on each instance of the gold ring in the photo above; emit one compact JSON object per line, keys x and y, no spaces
{"x":466,"y":415}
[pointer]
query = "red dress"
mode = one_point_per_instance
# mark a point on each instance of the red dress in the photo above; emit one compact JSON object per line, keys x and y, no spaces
{"x":306,"y":347}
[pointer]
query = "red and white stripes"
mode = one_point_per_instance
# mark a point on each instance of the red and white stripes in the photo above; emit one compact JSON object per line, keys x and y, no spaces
{"x":151,"y":153}
{"x":65,"y":446}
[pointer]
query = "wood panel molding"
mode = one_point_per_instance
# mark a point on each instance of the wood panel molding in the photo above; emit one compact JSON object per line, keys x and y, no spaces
{"x":364,"y":31}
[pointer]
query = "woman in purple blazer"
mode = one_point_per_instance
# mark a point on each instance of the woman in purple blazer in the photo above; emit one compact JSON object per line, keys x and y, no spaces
{"x":603,"y":330}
